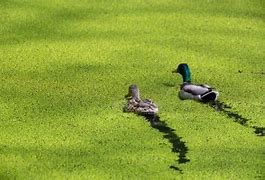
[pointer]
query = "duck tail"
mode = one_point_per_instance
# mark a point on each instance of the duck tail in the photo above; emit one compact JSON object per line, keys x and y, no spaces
{"x":210,"y":96}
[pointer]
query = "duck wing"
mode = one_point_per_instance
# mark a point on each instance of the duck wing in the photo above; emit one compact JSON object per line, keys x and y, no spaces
{"x":141,"y":107}
{"x":205,"y":85}
{"x":201,"y":92}
{"x":196,"y":89}
{"x":148,"y":106}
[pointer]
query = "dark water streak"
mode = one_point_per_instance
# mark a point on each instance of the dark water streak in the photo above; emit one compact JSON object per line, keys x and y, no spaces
{"x":178,"y":146}
{"x":260,"y":131}
{"x":222,"y":107}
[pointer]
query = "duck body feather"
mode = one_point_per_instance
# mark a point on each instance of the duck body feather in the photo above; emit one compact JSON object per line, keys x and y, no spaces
{"x":137,"y":105}
{"x":200,"y":92}
{"x":195,"y":89}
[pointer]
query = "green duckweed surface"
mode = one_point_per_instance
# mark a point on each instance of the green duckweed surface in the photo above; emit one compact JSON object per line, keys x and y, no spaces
{"x":66,"y":66}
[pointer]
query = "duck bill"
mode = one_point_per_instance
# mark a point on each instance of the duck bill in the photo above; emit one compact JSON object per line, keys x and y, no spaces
{"x":174,"y":71}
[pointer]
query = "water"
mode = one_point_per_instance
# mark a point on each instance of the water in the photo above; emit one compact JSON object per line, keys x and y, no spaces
{"x":260,"y":131}
{"x":223,"y":107}
{"x":178,"y":146}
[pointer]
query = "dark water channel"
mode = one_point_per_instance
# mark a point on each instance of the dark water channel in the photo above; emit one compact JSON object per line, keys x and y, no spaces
{"x":224,"y":108}
{"x":178,"y":146}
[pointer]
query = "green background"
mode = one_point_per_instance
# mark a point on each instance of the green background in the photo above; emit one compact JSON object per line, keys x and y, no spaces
{"x":66,"y":66}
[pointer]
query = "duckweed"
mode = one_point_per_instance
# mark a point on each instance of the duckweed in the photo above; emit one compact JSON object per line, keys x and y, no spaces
{"x":66,"y":65}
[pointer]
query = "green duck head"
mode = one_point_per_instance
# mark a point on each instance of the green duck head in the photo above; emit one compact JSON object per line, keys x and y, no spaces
{"x":133,"y":92}
{"x":184,"y":70}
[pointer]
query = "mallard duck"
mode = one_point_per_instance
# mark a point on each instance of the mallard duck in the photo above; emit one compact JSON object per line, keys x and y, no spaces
{"x":138,"y":106}
{"x":199,"y":92}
